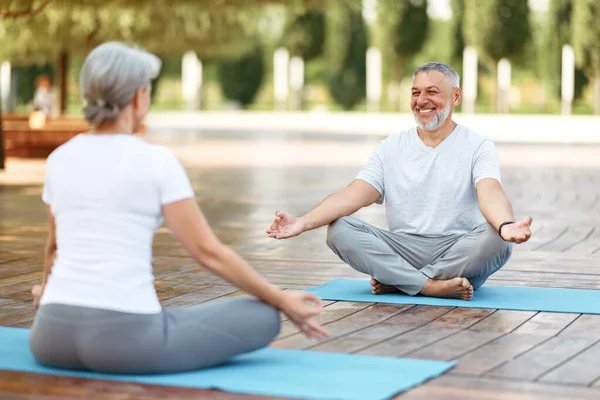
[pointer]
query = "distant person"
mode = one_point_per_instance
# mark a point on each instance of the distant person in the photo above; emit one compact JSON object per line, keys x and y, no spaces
{"x":44,"y":99}
{"x":106,"y":192}
{"x":450,"y":224}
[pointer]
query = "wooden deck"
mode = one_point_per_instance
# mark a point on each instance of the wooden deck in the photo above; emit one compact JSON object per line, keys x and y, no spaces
{"x":501,"y":354}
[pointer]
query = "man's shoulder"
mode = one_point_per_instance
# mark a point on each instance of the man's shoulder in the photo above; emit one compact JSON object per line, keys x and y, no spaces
{"x":400,"y":136}
{"x":470,"y":135}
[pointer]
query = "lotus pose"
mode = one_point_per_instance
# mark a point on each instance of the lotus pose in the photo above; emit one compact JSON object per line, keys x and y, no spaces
{"x":451,"y":225}
{"x":107,"y":191}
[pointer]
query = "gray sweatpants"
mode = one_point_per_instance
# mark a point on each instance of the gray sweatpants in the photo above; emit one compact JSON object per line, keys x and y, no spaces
{"x":175,"y":340}
{"x":406,"y":261}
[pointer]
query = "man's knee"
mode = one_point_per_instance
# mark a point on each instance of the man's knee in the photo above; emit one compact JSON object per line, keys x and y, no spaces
{"x":340,"y":225}
{"x":492,"y":245}
{"x":490,"y":254}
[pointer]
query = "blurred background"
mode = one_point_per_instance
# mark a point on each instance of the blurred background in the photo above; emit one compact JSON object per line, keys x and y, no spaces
{"x":529,"y":57}
{"x":337,"y":54}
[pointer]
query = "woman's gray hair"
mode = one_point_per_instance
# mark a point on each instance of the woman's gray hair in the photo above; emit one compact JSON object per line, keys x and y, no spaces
{"x":110,"y":76}
{"x":445,"y":69}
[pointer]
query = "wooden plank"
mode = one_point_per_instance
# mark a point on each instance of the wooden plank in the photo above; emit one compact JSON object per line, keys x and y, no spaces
{"x":483,"y":332}
{"x":409,"y":320}
{"x":586,"y":326}
{"x":412,"y":340}
{"x":575,"y":234}
{"x":359,"y":320}
{"x":455,"y":387}
{"x":582,"y":369}
{"x":51,"y":386}
{"x":199,"y":296}
{"x":505,"y":348}
{"x":541,"y":359}
{"x":332,"y":312}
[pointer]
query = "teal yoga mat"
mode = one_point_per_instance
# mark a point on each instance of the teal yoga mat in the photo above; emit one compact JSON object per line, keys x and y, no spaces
{"x":266,"y":372}
{"x":500,"y":297}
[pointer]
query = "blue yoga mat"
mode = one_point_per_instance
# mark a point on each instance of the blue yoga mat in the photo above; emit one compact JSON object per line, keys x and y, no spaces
{"x":500,"y":297}
{"x":266,"y":372}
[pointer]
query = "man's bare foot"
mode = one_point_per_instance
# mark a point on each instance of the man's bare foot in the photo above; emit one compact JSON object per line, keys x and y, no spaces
{"x":458,"y":288}
{"x":379,"y":288}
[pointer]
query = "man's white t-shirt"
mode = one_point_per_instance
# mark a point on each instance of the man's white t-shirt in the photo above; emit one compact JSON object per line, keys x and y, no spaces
{"x":432,"y":191}
{"x":106,"y":193}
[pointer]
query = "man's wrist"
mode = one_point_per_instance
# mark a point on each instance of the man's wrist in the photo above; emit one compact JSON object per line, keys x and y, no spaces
{"x":307,"y":225}
{"x":502,"y":225}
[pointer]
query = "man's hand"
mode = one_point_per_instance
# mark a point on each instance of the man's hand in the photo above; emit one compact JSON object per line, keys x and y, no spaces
{"x":518,"y":232}
{"x":285,"y":226}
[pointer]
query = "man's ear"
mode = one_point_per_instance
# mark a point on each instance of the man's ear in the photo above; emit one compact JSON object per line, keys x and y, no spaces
{"x":456,"y":96}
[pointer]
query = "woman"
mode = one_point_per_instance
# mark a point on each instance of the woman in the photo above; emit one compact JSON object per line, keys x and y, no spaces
{"x":107,"y":191}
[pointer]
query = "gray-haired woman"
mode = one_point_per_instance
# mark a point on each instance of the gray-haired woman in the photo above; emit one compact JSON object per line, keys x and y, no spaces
{"x":107,"y":191}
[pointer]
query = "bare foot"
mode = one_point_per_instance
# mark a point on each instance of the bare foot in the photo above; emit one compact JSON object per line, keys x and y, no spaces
{"x":458,"y":288}
{"x":379,"y":288}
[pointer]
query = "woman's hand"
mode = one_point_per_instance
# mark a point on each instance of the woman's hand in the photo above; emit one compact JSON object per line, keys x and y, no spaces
{"x":37,"y":292}
{"x":302,"y":315}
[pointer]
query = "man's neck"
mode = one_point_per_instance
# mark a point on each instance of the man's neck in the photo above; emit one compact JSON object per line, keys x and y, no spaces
{"x":435,"y":137}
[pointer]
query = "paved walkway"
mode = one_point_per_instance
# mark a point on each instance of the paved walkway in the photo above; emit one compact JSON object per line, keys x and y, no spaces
{"x":242,"y":179}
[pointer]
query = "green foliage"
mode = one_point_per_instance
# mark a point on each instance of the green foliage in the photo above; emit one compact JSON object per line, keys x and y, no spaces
{"x":305,"y":35}
{"x":498,"y":29}
{"x":157,"y":26}
{"x":410,"y":30}
{"x":401,"y":33}
{"x":346,"y":46}
{"x":458,"y":40}
{"x":558,"y":33}
{"x":241,"y":78}
{"x":586,"y":36}
{"x":26,"y":77}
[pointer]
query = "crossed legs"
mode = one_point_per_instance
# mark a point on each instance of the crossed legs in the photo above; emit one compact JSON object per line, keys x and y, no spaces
{"x":451,"y":266}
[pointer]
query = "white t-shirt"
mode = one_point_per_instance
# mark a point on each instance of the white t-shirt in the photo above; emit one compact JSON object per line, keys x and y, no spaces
{"x":106,"y":193}
{"x":431,"y":191}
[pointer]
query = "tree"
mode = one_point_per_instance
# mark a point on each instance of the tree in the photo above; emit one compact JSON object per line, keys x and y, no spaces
{"x":402,"y":31}
{"x":304,"y":36}
{"x":241,"y":77}
{"x":458,"y":42}
{"x":559,"y":32}
{"x":346,"y":47}
{"x":586,"y":42}
{"x":498,"y":29}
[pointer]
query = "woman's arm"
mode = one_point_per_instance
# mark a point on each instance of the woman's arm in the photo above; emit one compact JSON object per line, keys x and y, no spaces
{"x":190,"y":227}
{"x":49,"y":256}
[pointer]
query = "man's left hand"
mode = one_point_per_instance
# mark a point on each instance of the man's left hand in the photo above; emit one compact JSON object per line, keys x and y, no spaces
{"x":518,"y":232}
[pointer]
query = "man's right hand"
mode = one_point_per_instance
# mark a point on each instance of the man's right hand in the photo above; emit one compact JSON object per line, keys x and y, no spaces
{"x":285,"y":226}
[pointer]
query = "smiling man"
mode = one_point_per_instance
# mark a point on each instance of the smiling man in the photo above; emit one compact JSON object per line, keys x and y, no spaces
{"x":451,"y":225}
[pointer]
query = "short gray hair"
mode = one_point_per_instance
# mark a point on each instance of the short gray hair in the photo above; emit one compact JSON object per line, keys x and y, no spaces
{"x":110,"y":76}
{"x":445,"y":69}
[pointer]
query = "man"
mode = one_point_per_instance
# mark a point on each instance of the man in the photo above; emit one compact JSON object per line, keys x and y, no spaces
{"x":451,"y":225}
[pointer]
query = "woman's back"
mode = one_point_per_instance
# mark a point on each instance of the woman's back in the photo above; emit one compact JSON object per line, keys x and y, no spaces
{"x":106,"y":193}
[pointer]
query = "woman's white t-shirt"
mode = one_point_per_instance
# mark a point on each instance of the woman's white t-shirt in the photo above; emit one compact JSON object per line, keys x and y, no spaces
{"x":106,"y":193}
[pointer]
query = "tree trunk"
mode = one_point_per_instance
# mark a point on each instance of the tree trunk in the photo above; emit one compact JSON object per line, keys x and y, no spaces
{"x":597,"y":95}
{"x":63,"y":74}
{"x":2,"y":150}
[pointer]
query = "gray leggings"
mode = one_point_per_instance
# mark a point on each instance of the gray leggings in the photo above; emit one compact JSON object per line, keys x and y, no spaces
{"x":406,"y":261}
{"x":175,"y":340}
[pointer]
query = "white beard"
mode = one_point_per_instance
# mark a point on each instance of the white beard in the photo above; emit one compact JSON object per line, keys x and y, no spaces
{"x":436,"y":121}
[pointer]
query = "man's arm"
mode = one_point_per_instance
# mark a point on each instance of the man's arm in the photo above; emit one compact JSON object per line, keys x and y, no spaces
{"x":496,"y":209}
{"x":493,"y":203}
{"x":347,"y":201}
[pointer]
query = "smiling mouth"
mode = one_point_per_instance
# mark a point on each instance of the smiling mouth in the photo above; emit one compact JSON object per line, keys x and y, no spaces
{"x":425,"y":110}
